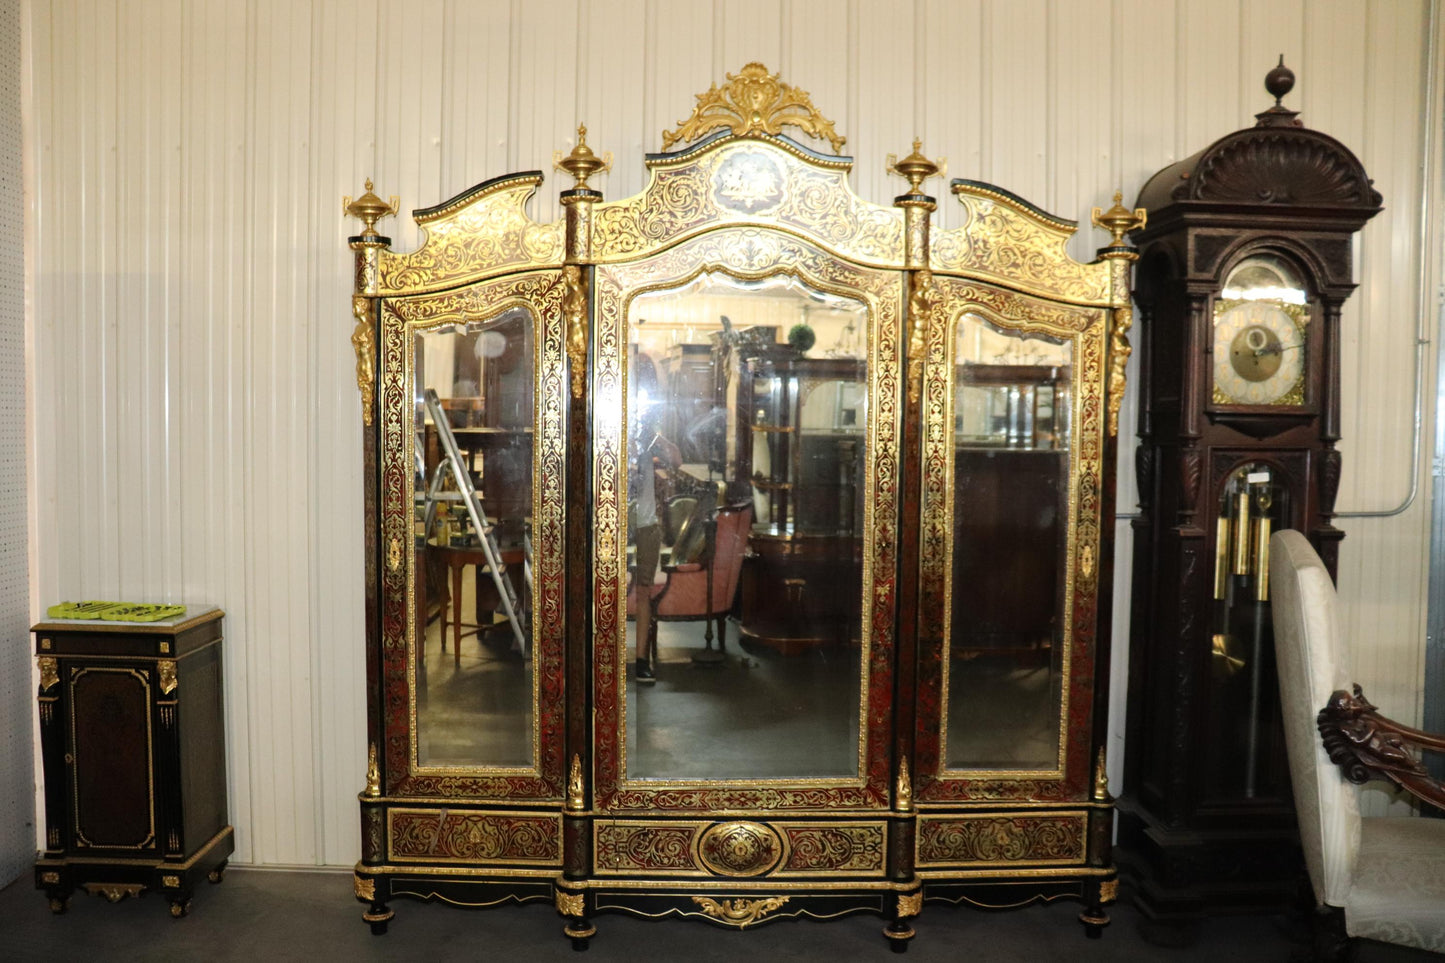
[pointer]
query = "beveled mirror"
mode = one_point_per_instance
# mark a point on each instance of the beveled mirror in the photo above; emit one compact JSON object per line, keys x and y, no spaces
{"x":744,"y":481}
{"x":1007,"y":626}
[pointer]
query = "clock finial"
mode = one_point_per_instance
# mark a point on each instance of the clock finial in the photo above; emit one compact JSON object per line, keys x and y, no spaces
{"x":1279,"y":81}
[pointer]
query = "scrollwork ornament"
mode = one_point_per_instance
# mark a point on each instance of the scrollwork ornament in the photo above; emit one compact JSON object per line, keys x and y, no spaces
{"x":571,"y":904}
{"x":741,"y":913}
{"x":910,"y":904}
{"x":574,"y":306}
{"x":363,"y":341}
{"x":753,"y":101}
{"x":365,"y":887}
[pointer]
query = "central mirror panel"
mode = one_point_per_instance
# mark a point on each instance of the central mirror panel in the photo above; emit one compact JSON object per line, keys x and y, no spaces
{"x":474,"y":684}
{"x":747,"y":407}
{"x":1008,"y":628}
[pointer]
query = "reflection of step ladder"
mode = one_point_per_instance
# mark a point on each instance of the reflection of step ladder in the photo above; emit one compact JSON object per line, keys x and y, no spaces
{"x":467,"y":494}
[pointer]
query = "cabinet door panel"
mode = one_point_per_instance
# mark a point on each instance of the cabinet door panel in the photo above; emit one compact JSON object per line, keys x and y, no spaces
{"x":112,"y":766}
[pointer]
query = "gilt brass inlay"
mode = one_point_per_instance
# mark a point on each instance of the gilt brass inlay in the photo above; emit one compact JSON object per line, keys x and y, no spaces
{"x":740,"y":912}
{"x":754,"y":100}
{"x":167,"y":670}
{"x":49,"y":672}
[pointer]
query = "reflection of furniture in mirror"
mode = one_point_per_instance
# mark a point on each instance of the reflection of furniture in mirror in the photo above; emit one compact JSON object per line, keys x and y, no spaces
{"x":1010,"y":508}
{"x":700,"y":587}
{"x":631,"y":374}
{"x":801,"y":446}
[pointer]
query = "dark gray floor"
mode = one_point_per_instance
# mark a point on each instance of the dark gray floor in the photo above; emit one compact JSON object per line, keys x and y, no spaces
{"x":269,"y":915}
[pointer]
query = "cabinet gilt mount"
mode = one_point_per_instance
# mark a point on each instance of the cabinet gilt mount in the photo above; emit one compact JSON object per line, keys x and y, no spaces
{"x":755,"y":433}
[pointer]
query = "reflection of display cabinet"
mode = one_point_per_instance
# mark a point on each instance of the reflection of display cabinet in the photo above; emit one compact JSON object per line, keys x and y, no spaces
{"x":889,"y":769}
{"x":134,"y":751}
{"x":803,"y":458}
{"x":1011,"y":434}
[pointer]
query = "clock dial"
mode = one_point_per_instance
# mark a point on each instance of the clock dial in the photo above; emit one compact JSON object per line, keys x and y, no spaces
{"x":1259,"y":350}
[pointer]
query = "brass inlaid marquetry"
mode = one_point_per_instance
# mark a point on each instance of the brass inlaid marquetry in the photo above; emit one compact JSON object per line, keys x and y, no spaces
{"x":1010,"y":242}
{"x":754,"y":101}
{"x":541,"y":293}
{"x":748,"y":181}
{"x":740,"y":848}
{"x":1086,"y":330}
{"x":482,"y":233}
{"x":1001,"y":840}
{"x":745,"y":254}
{"x":451,"y":835}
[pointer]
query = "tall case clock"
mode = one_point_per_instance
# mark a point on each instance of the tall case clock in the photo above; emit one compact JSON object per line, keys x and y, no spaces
{"x":1244,"y":267}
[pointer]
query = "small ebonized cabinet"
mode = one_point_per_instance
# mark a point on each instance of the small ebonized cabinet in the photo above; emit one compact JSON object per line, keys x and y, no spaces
{"x":133,"y":741}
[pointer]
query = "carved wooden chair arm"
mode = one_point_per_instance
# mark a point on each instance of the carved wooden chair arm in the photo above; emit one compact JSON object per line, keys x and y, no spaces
{"x":1366,"y":745}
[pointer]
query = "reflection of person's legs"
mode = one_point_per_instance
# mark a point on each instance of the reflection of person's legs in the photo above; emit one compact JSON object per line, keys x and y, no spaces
{"x":649,"y":545}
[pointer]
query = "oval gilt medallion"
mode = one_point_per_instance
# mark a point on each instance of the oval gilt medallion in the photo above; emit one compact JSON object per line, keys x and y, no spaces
{"x":740,"y":849}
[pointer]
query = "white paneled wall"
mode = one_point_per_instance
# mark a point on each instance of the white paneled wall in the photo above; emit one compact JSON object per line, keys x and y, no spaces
{"x":17,"y":781}
{"x":196,"y":418}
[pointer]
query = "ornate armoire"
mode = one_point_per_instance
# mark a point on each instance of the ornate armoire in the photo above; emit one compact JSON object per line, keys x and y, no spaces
{"x":906,"y":754}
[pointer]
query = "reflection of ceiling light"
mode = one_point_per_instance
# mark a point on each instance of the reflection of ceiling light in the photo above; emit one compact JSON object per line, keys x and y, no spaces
{"x":1287,"y":295}
{"x":491,"y":344}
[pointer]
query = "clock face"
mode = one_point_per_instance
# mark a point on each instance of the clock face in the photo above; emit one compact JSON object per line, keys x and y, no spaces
{"x":1259,"y":353}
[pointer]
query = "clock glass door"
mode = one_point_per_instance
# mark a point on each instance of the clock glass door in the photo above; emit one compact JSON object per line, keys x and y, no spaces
{"x":1260,"y":347}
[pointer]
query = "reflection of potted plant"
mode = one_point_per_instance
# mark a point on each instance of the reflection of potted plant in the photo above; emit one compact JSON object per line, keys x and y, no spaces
{"x":801,"y":337}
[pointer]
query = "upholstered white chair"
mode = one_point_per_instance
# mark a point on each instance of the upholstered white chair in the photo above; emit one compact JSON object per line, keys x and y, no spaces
{"x":1385,"y":876}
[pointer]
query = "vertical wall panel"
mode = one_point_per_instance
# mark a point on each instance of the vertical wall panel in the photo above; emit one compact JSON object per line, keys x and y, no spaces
{"x":196,"y":419}
{"x":16,"y":691}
